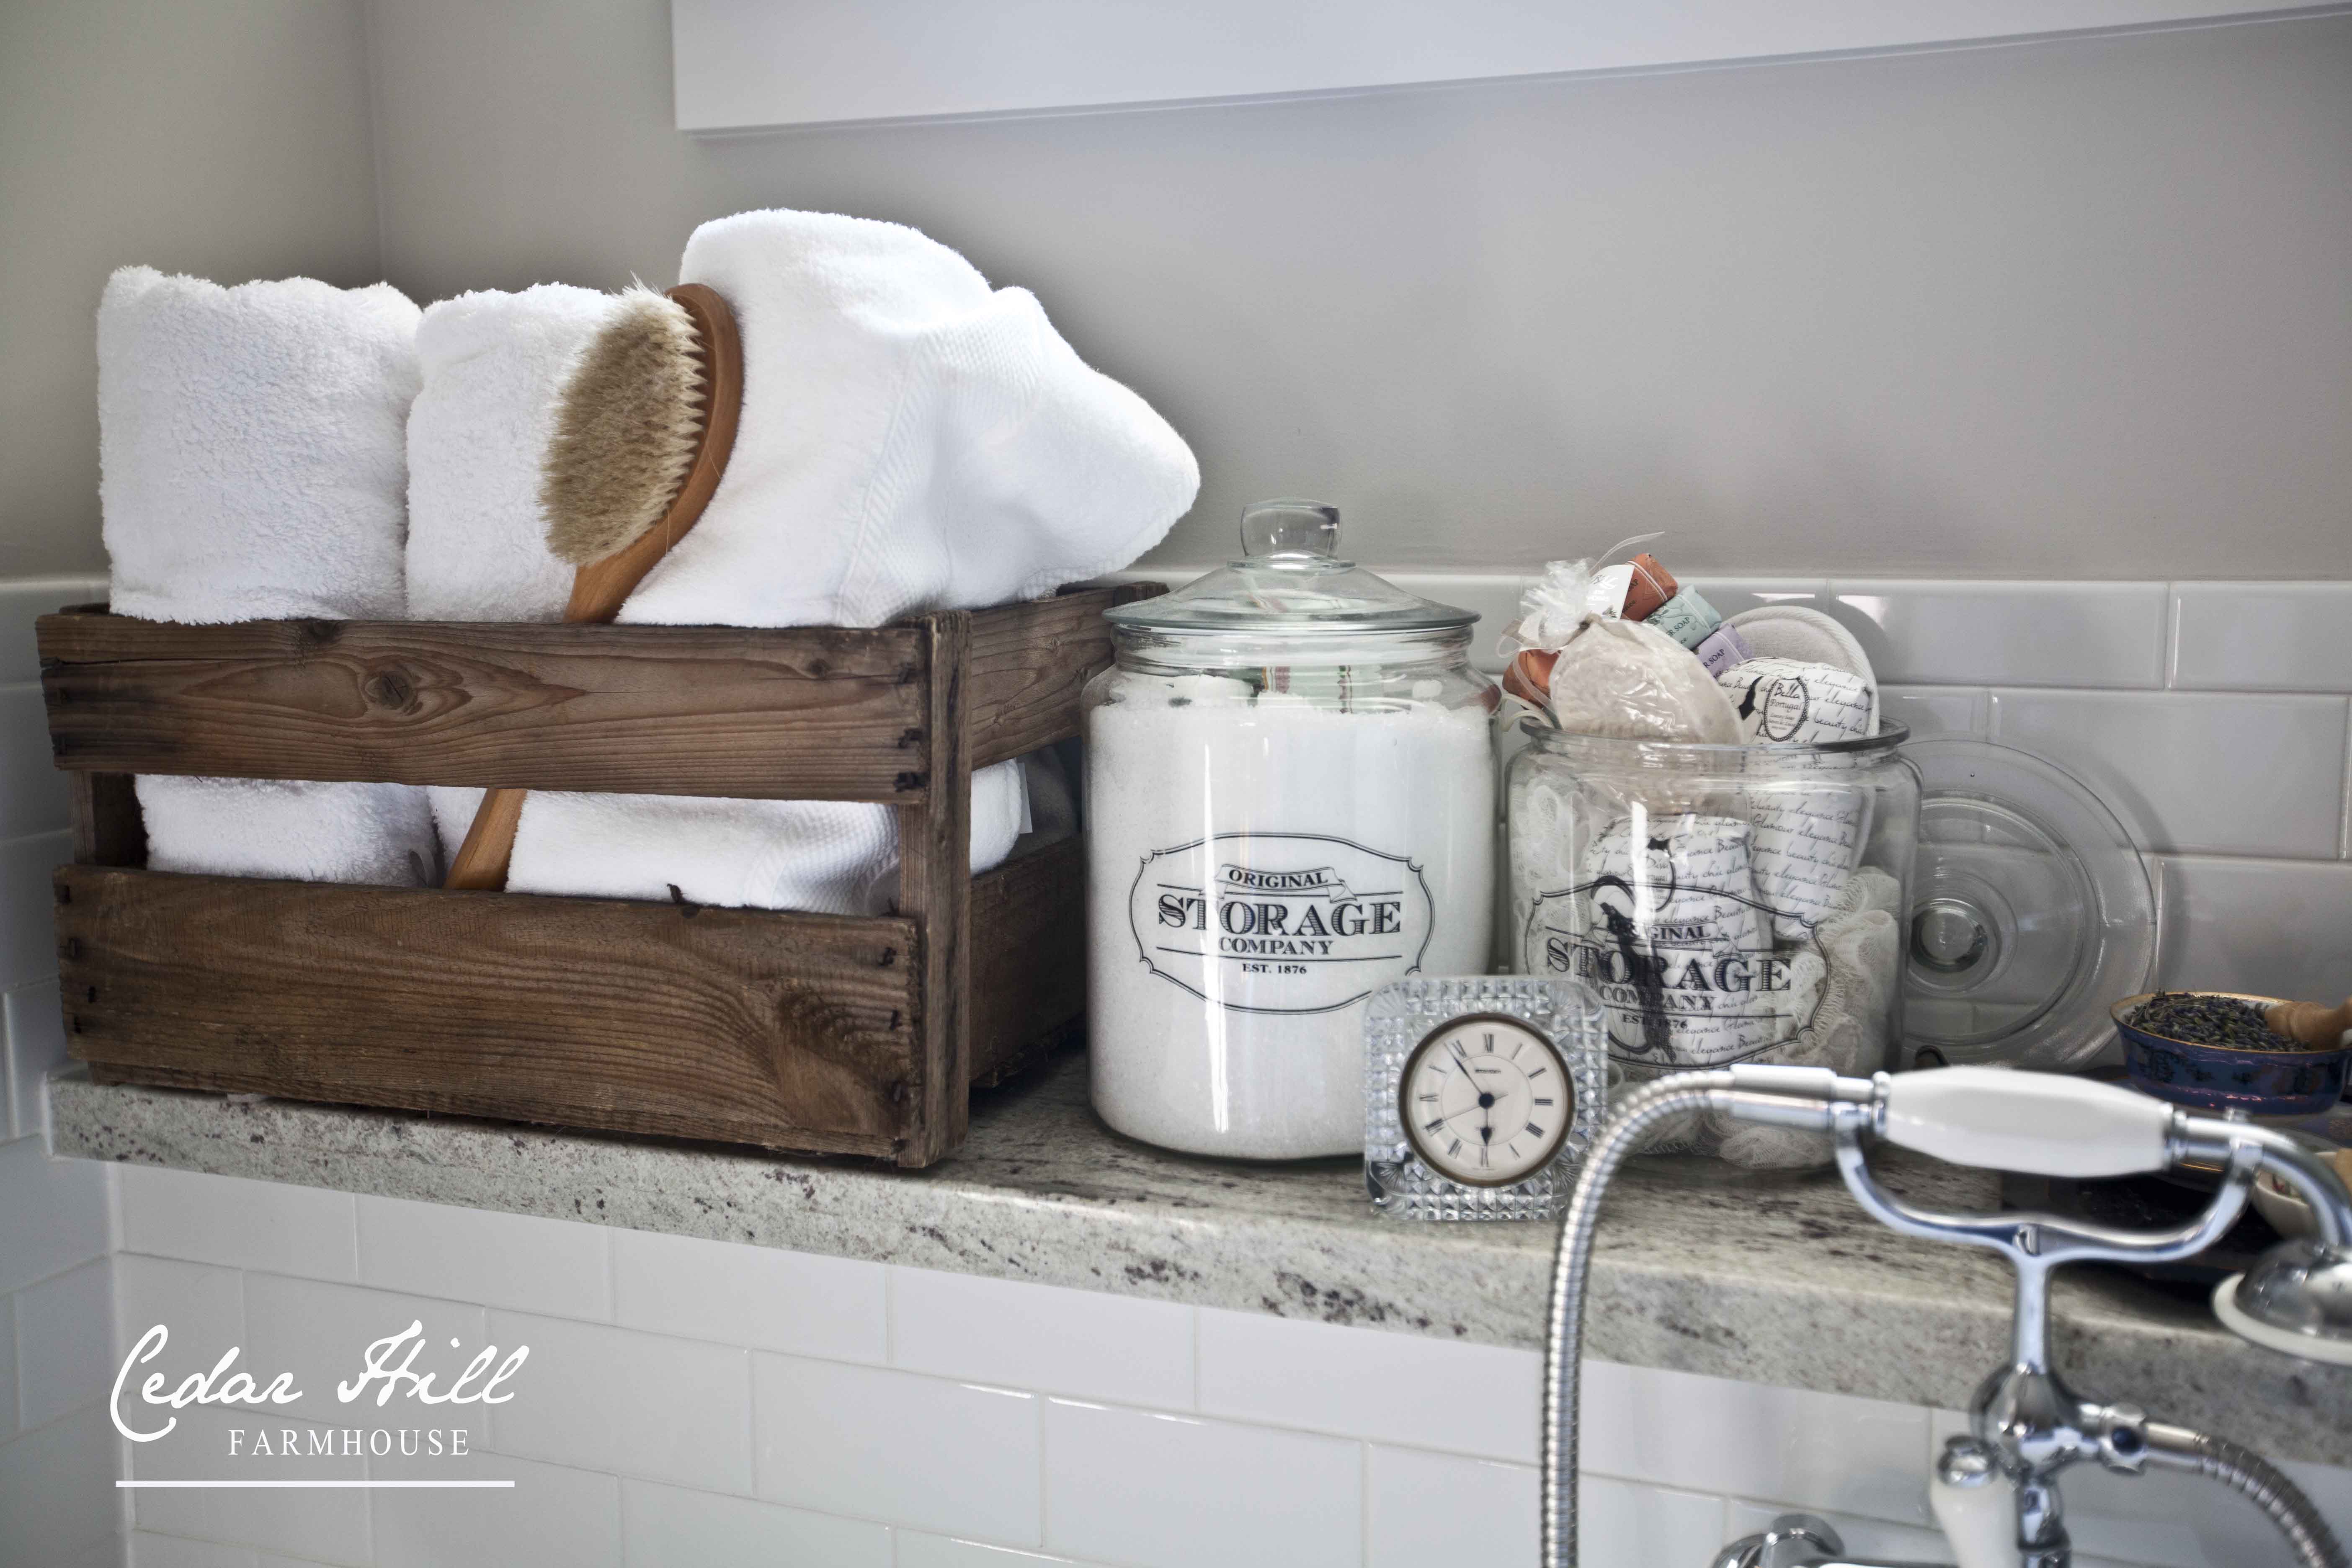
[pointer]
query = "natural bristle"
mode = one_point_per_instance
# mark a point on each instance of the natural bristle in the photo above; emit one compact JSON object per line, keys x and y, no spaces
{"x":626,"y":426}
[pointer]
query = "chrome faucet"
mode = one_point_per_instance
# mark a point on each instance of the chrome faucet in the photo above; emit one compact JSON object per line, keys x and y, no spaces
{"x":1995,"y":1491}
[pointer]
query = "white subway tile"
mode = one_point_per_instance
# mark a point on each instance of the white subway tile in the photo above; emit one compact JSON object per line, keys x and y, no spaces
{"x":1363,"y":1383}
{"x":322,"y":1524}
{"x":559,"y":1268}
{"x":24,"y":601}
{"x":2010,"y":634}
{"x":53,"y":1212}
{"x":1172,"y":1491}
{"x":2276,"y":927}
{"x":1638,"y":1526}
{"x":2261,"y":636}
{"x":200,"y":1307}
{"x":2164,"y":1520}
{"x":28,"y":947}
{"x":8,"y":1422}
{"x":670,"y":1527}
{"x":1733,"y":595}
{"x":552,"y":1517}
{"x":1937,"y":709}
{"x":2194,"y":772}
{"x":1822,"y":1451}
{"x":321,"y":1332}
{"x":950,"y":1457}
{"x":65,"y":1342}
{"x":1493,"y":597}
{"x":1042,"y":1337}
{"x":637,"y":1403}
{"x":1869,"y":1538}
{"x":36,"y":1036}
{"x":1422,"y":1508}
{"x":56,"y":1489}
{"x":916,"y":1550}
{"x":149,"y":1550}
{"x":242,"y":1224}
{"x":32,"y":786}
{"x":760,"y":1297}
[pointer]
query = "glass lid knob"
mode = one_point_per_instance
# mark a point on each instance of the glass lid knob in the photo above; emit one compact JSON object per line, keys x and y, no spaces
{"x":1290,"y":528}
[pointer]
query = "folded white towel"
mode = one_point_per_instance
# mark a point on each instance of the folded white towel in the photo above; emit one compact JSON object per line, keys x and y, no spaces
{"x":250,"y":444}
{"x":911,"y":439}
{"x":836,"y":858}
{"x":301,"y":832}
{"x":494,"y":365}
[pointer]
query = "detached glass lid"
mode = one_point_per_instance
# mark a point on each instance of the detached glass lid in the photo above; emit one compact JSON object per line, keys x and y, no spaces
{"x":1290,"y":579}
{"x":2032,"y":910}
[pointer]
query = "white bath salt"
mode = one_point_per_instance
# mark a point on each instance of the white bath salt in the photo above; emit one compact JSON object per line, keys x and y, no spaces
{"x":1256,"y":871}
{"x":1671,"y":936}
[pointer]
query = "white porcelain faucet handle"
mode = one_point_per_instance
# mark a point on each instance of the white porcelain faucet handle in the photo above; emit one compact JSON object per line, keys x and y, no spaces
{"x":2041,"y":1123}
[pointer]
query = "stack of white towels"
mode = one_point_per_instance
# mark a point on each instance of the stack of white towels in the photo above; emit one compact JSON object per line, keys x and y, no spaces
{"x":911,"y":439}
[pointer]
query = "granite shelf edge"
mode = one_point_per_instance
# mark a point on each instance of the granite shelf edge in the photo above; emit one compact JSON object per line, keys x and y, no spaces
{"x":1912,"y":1323}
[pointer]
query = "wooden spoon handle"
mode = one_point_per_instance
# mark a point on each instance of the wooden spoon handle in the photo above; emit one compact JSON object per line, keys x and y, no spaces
{"x":601,"y":587}
{"x":2313,"y":1024}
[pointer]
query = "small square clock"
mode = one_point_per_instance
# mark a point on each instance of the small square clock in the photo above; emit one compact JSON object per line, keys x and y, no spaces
{"x":1481,"y":1095}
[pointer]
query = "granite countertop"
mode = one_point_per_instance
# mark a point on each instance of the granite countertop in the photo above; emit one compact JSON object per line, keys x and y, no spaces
{"x":1786,"y":1283}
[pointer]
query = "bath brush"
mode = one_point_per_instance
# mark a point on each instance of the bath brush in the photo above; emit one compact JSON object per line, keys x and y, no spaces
{"x":643,"y":429}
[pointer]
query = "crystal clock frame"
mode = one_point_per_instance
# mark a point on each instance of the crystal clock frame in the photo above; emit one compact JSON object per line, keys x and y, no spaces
{"x":1401,"y":1018}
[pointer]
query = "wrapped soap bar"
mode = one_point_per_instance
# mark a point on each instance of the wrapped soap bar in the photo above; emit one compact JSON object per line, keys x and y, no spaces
{"x":1790,"y":701}
{"x":1721,"y":650}
{"x":1649,"y":586}
{"x":1686,"y":618}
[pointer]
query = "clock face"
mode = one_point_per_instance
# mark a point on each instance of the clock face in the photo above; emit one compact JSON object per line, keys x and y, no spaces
{"x":1486,"y":1099}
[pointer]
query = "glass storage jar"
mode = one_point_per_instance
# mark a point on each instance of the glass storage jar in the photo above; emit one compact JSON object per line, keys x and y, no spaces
{"x":1743,"y":904}
{"x":1290,"y":800}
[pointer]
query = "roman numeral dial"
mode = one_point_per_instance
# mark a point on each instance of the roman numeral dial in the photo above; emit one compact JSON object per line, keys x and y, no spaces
{"x":1486,"y":1100}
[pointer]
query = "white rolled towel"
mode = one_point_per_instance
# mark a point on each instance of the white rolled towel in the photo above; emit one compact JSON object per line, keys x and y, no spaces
{"x":251,"y":467}
{"x":494,"y":365}
{"x":911,"y":439}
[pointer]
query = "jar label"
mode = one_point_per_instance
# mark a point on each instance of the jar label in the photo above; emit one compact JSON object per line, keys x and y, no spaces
{"x":1676,"y":945}
{"x":1280,"y":922}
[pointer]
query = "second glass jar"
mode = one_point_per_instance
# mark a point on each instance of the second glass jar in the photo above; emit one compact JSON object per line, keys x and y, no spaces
{"x":1727,"y":903}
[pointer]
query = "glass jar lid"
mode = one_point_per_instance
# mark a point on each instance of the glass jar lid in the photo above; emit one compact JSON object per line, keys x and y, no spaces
{"x":2032,"y":912}
{"x":1290,"y":579}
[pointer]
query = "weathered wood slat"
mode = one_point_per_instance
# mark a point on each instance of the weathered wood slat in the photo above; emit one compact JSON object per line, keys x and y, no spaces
{"x":789,"y":1031}
{"x":1028,"y":959}
{"x":813,"y":713}
{"x":935,"y":890}
{"x":1029,"y":664}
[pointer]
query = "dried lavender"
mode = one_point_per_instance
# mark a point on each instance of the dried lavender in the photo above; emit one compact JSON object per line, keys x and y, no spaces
{"x":2202,"y":1020}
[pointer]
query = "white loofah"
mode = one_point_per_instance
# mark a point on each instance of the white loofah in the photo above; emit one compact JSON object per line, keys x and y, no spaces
{"x":1629,"y":680}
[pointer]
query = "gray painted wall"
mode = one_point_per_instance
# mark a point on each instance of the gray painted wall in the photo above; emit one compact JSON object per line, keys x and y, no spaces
{"x":2077,"y":308}
{"x":228,"y":139}
{"x":2066,"y":308}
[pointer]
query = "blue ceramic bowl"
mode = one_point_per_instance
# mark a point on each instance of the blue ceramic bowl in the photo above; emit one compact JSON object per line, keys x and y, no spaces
{"x":2215,"y":1078}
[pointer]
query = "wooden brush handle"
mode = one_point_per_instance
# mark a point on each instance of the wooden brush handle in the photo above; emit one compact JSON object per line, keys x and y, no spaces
{"x":2313,"y":1024}
{"x":600,"y":588}
{"x":480,"y":865}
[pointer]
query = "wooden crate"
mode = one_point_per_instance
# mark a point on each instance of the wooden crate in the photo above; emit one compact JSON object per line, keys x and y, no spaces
{"x":817,"y":1033}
